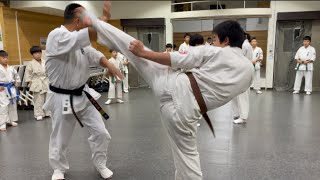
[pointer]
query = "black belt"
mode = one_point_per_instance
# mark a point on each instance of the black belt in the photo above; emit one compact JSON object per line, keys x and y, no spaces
{"x":78,"y":92}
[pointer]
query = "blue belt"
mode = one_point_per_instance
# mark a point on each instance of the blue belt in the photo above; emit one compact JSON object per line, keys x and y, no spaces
{"x":8,"y":86}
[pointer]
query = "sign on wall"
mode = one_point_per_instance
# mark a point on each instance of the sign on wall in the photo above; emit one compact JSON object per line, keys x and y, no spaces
{"x":43,"y":41}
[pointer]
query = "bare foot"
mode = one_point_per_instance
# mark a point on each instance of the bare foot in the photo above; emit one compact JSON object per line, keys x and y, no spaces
{"x":3,"y":129}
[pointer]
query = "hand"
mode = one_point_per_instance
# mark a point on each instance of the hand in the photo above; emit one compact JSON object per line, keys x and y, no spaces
{"x":114,"y":72}
{"x":2,"y":88}
{"x":137,"y":48}
{"x":106,"y":14}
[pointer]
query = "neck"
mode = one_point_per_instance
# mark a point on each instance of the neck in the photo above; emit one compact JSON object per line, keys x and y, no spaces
{"x":306,"y":46}
{"x":70,"y":27}
{"x":254,"y":47}
{"x":5,"y":65}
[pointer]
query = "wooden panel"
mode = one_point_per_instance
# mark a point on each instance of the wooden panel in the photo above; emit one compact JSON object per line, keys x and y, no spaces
{"x":262,"y":39}
{"x":31,"y":27}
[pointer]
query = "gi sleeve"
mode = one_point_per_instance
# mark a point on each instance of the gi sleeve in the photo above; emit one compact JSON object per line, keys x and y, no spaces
{"x":297,"y":54}
{"x":313,"y":54}
{"x":28,"y":73}
{"x":93,"y":55}
{"x":260,"y":54}
{"x":61,"y":42}
{"x":192,"y":59}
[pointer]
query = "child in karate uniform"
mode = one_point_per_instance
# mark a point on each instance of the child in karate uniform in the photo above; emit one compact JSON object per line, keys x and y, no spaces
{"x":8,"y":93}
{"x":305,"y":58}
{"x":38,"y":81}
{"x":115,"y":84}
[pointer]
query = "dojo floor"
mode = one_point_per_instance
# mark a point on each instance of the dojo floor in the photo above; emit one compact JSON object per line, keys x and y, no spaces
{"x":281,"y":141}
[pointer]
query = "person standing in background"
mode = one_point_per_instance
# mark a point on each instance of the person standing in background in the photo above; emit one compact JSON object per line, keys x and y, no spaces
{"x":38,"y":81}
{"x":240,"y":104}
{"x":8,"y":93}
{"x":115,"y":84}
{"x":209,"y":41}
{"x":125,"y":63}
{"x":185,"y":45}
{"x":168,"y":48}
{"x":305,"y":58}
{"x":257,"y":60}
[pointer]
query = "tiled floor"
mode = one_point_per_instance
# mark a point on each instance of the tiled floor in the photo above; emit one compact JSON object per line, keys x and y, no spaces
{"x":280,"y":141}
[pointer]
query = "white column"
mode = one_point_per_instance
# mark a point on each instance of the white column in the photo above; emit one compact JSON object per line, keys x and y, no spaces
{"x":169,"y":30}
{"x":271,"y":46}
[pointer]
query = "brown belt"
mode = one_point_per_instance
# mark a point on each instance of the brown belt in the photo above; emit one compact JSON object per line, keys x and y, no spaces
{"x":197,"y":93}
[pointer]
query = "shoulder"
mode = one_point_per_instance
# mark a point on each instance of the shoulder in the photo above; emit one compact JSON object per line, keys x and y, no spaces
{"x":56,"y":31}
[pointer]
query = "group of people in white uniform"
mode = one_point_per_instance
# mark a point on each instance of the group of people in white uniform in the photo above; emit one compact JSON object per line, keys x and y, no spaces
{"x":187,"y":84}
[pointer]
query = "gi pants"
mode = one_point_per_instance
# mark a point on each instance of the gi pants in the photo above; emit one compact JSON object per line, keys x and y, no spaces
{"x":126,"y":82}
{"x":8,"y":114}
{"x":308,"y":80}
{"x":256,"y":80}
{"x":62,"y":129}
{"x":39,"y":99}
{"x":115,"y":89}
{"x":240,"y":105}
{"x":179,"y":111}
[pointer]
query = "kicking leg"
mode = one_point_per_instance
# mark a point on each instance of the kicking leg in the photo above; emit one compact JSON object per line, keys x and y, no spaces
{"x":114,"y":38}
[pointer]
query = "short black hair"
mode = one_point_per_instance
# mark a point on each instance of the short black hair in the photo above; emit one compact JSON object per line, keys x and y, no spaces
{"x":111,"y":50}
{"x":247,"y":35}
{"x":35,"y":49}
{"x":307,"y":38}
{"x":252,"y":38}
{"x":187,"y":34}
{"x":169,"y":45}
{"x":69,"y":13}
{"x":174,"y":46}
{"x":232,"y":30}
{"x":3,"y":53}
{"x":209,"y":38}
{"x":196,"y":39}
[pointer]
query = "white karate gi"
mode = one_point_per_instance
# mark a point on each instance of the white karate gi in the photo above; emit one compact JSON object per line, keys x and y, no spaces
{"x":115,"y":84}
{"x":36,"y":73}
{"x":184,"y":47}
{"x":125,"y":81}
{"x":257,"y":54}
{"x":303,"y":54}
{"x":8,"y":110}
{"x":69,"y":55}
{"x":221,"y":74}
{"x":240,"y":105}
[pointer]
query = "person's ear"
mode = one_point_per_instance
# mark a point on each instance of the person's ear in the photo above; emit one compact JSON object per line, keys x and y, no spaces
{"x":226,"y":41}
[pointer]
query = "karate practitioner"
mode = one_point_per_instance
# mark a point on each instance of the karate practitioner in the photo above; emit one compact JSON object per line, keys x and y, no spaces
{"x":115,"y":84}
{"x":8,"y":93}
{"x":209,"y":41}
{"x":125,"y":62}
{"x":69,"y":56}
{"x":221,"y":73}
{"x":257,"y":60}
{"x":305,"y":58}
{"x":37,"y":78}
{"x":168,"y":48}
{"x":183,"y":48}
{"x":240,"y":104}
{"x":196,"y":40}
